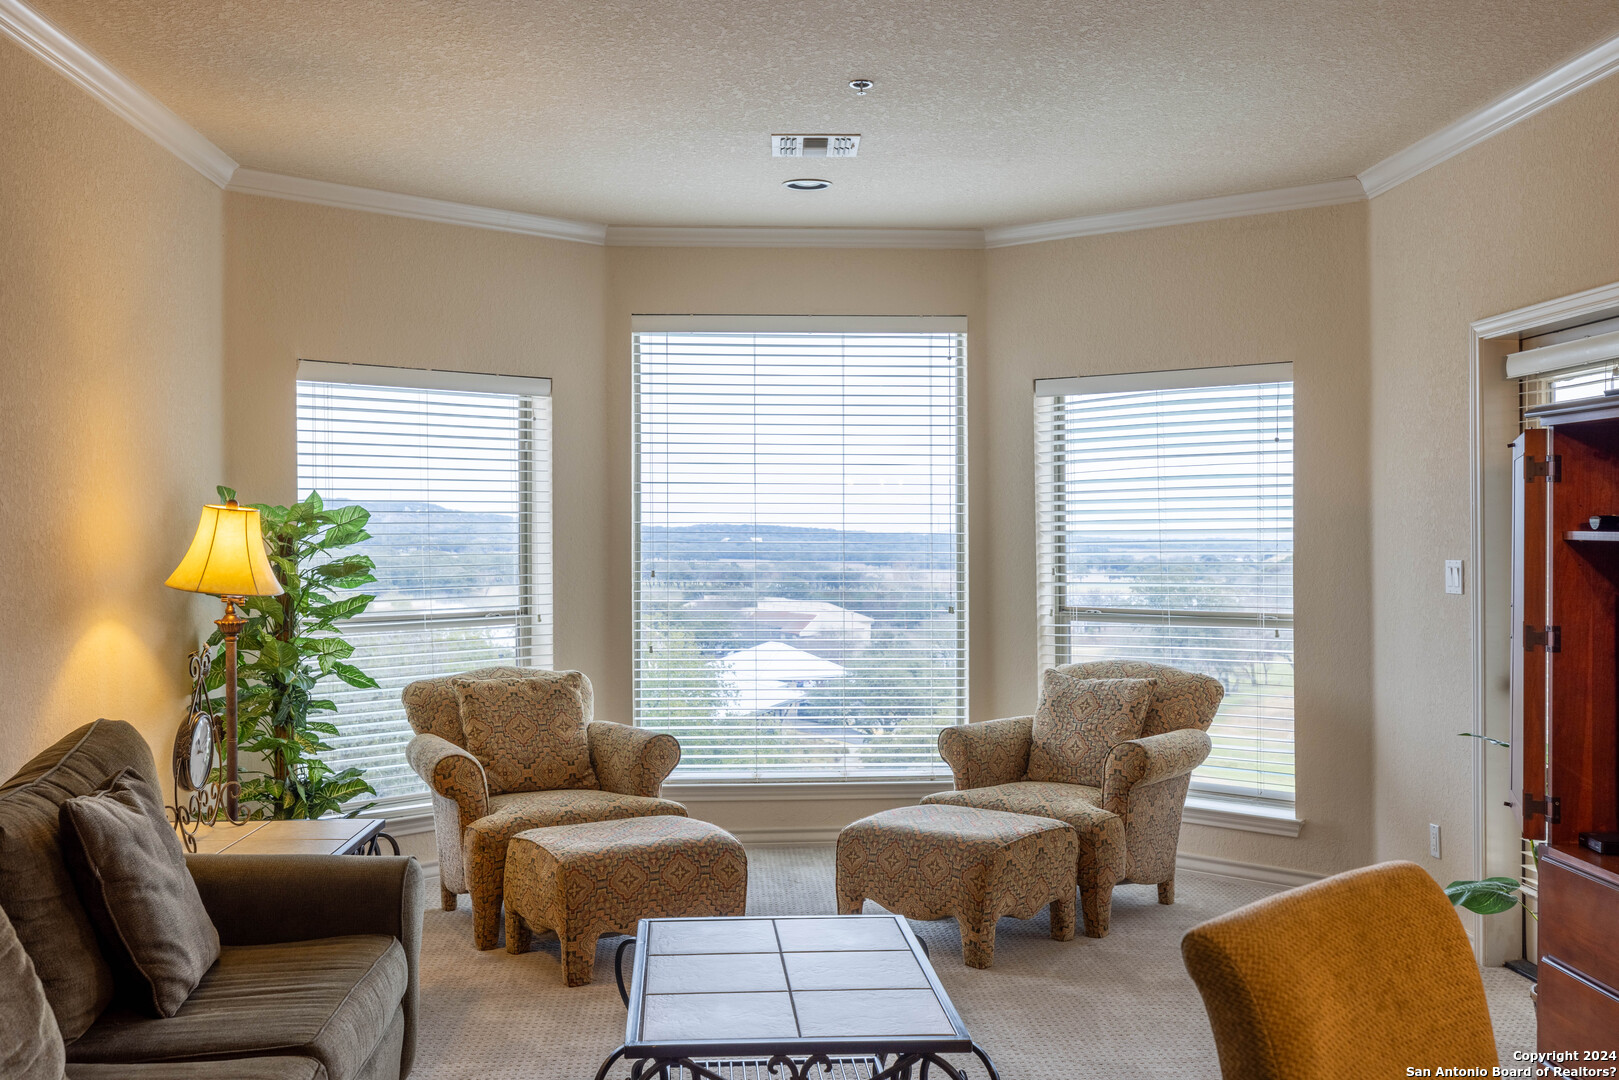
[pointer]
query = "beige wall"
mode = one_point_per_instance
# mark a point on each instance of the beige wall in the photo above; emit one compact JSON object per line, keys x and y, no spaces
{"x":316,"y":283}
{"x":114,"y":322}
{"x":1282,"y":287}
{"x":110,"y":264}
{"x":1531,"y":215}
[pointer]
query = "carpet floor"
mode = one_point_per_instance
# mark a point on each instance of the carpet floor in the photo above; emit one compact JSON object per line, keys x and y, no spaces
{"x":1120,"y":1008}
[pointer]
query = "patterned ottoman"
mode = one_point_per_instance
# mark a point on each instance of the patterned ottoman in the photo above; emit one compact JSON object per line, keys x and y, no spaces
{"x":926,"y":862}
{"x":601,"y":877}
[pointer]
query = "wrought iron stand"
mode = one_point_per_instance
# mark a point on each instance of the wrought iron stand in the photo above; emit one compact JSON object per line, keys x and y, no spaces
{"x":815,"y":1066}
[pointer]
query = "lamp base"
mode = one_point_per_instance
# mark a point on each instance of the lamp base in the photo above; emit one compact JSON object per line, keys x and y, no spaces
{"x":229,"y":627}
{"x":200,"y":796}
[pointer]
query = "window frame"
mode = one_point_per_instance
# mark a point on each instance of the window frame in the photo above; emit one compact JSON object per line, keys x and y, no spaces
{"x":535,"y":606}
{"x":933,"y":778}
{"x":1220,"y":798}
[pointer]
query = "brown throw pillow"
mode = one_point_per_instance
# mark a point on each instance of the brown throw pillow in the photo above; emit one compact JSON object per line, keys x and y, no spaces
{"x":30,"y":1042}
{"x":131,"y":874}
{"x":1078,"y":723}
{"x":529,"y":733}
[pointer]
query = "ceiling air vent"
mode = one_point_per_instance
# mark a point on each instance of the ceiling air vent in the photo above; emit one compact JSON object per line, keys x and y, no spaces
{"x":808,"y":146}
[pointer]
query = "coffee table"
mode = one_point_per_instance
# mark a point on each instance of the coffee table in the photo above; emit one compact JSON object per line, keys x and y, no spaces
{"x":848,"y":997}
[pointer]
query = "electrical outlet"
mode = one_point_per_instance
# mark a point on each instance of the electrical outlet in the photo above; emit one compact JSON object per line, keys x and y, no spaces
{"x":1433,"y":841}
{"x":1453,"y":576}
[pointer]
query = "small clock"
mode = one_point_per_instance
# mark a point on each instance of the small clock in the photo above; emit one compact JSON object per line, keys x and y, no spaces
{"x":194,"y":751}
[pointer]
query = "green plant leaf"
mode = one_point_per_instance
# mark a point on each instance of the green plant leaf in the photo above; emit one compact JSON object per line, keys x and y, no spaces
{"x":344,"y":535}
{"x":353,"y":514}
{"x":324,"y":646}
{"x":354,"y":677}
{"x":348,"y":564}
{"x":1491,"y":896}
{"x":345,"y":608}
{"x":226,"y":494}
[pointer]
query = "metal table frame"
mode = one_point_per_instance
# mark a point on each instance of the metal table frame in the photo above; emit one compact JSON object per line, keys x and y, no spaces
{"x":897,"y":1057}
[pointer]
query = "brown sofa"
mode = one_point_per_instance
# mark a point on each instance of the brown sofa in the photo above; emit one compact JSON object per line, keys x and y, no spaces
{"x":317,"y":975}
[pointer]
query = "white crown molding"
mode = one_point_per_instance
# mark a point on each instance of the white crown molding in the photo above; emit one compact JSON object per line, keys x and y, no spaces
{"x":1494,"y":118}
{"x":113,"y":89}
{"x":325,"y":193}
{"x":640,"y":236}
{"x":1329,"y":193}
{"x":154,"y":119}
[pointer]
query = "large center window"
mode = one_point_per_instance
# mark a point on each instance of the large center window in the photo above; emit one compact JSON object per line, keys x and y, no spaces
{"x":800,"y":543}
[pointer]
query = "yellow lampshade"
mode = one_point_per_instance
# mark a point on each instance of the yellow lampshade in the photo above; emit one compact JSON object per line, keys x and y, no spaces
{"x":227,"y":555}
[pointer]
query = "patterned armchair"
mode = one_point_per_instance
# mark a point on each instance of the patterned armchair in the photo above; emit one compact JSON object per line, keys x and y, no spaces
{"x":1129,"y":827}
{"x":473,"y":826}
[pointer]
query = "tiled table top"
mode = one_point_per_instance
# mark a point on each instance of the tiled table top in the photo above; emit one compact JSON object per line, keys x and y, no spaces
{"x":790,"y":985}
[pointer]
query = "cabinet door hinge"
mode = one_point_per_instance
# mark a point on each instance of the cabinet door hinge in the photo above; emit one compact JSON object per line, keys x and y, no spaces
{"x":1551,"y":467}
{"x":1552,"y":808}
{"x":1550,"y":639}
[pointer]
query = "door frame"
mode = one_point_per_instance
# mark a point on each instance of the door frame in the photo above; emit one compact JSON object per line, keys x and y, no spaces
{"x":1493,"y":423}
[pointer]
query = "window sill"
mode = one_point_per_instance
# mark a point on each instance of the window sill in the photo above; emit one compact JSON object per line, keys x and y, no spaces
{"x":404,"y":818}
{"x":800,"y":790}
{"x":1245,"y":815}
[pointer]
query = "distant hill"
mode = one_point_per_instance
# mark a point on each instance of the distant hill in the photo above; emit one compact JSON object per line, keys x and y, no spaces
{"x":790,"y":544}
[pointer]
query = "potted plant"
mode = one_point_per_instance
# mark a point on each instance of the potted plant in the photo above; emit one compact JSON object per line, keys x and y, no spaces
{"x":289,"y":644}
{"x":1490,"y":896}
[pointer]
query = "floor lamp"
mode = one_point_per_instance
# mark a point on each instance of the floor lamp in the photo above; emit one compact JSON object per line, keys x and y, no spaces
{"x":227,"y":560}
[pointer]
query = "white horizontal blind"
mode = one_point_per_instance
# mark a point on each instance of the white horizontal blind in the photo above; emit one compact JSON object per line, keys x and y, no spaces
{"x":458,"y":485}
{"x":1166,"y":534}
{"x":1564,"y":387}
{"x":800,"y":549}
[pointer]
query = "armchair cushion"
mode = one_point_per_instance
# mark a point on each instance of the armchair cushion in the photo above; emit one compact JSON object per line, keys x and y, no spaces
{"x":631,"y":761}
{"x":431,"y":705}
{"x":984,"y":755}
{"x":1078,"y":723}
{"x":529,"y":733}
{"x":131,"y":875}
{"x":1182,"y":699}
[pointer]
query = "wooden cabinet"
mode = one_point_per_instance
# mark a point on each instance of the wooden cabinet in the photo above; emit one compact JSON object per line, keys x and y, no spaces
{"x":1565,"y":707}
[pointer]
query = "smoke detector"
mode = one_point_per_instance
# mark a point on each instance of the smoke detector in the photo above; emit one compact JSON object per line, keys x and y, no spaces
{"x":816,"y":146}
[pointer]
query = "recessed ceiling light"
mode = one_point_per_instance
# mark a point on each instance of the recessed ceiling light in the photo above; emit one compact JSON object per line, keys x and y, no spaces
{"x":807,"y":185}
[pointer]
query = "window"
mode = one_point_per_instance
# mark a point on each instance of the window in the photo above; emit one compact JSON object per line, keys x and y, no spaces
{"x":456,"y":472}
{"x":1565,"y":386}
{"x":800,"y":545}
{"x":1166,"y":534}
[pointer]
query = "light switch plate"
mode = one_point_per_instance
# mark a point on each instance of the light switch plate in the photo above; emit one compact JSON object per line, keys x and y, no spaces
{"x":1453,"y":576}
{"x":1433,"y":841}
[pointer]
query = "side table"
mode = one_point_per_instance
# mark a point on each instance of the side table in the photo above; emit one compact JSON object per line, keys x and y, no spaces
{"x":327,"y":836}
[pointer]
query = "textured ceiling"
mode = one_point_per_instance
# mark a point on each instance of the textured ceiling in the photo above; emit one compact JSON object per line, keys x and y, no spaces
{"x":658,"y":112}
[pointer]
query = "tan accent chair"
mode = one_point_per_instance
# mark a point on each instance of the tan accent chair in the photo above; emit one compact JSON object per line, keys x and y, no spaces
{"x":1364,"y":974}
{"x":1130,"y":826}
{"x":473,"y":827}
